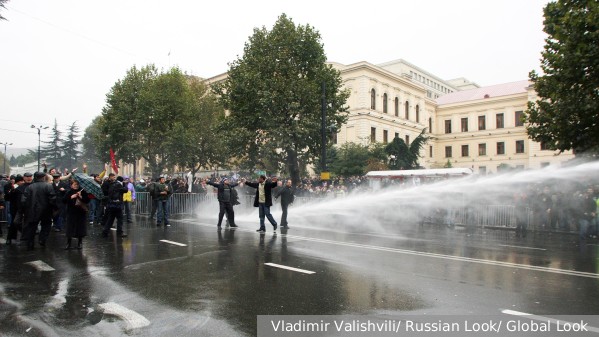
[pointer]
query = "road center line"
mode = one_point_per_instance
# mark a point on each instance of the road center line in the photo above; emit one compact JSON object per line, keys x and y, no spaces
{"x":439,"y":256}
{"x":545,"y":319}
{"x":522,"y":247}
{"x":290,"y":268}
{"x":174,"y":243}
{"x":133,"y":319}
{"x":40,"y":265}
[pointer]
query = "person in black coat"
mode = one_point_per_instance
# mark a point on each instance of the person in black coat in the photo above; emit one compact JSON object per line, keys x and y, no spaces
{"x":287,"y":197}
{"x":76,"y":215}
{"x":14,"y":197}
{"x":226,"y":199}
{"x":263,"y":200}
{"x":39,"y":200}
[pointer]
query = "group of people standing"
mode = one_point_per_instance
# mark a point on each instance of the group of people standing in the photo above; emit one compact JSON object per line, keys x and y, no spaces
{"x":227,"y":198}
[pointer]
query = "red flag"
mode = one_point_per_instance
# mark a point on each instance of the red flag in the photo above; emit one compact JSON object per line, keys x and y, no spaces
{"x":115,"y":168}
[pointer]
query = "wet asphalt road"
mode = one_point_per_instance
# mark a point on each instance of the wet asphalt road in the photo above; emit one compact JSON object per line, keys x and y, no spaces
{"x":206,"y":282}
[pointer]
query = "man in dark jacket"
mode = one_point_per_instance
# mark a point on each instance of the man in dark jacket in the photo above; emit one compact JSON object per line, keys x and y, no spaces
{"x":14,"y":196}
{"x":263,"y":200}
{"x":39,"y":200}
{"x":287,"y":197}
{"x":114,"y":206}
{"x":226,"y":198}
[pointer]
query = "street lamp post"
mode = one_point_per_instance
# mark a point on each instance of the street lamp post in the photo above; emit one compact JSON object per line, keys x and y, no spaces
{"x":5,"y":144}
{"x":39,"y":140}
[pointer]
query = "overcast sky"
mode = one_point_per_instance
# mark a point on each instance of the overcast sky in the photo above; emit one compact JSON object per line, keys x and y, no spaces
{"x":60,"y":58}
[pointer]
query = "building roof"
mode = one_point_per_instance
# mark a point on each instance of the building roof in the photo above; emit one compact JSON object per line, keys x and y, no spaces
{"x":497,"y":90}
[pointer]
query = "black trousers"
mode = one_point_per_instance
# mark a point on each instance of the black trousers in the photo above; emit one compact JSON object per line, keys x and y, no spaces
{"x":111,"y":214}
{"x":31,"y":227}
{"x":284,"y":215}
{"x":226,"y":207}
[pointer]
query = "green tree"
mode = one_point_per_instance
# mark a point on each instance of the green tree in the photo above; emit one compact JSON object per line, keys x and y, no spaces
{"x":404,"y":157}
{"x":13,"y":160}
{"x":196,"y":143}
{"x":52,"y":151}
{"x":565,"y":115}
{"x":351,"y":159}
{"x":273,"y":95}
{"x":91,"y":153}
{"x":70,"y":147}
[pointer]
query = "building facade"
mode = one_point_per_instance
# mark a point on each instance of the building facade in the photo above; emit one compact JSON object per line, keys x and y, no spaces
{"x":469,"y":126}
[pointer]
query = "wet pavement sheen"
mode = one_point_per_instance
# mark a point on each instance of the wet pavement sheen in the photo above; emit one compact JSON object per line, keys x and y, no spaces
{"x":218,"y":283}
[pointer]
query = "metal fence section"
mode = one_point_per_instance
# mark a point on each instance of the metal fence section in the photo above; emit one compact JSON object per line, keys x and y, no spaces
{"x":486,"y":216}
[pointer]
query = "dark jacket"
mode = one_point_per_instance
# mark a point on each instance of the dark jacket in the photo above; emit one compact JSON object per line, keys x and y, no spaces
{"x":286,"y":194}
{"x":39,"y":200}
{"x":268,"y":186}
{"x":221,"y":191}
{"x":159,"y":188}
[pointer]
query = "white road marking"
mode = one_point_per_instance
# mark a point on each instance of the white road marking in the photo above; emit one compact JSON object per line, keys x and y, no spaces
{"x":40,"y":265}
{"x":522,"y":247}
{"x":290,"y":268}
{"x":434,"y":255}
{"x":545,"y":319}
{"x":174,"y":243}
{"x":454,"y":258}
{"x":132,"y":318}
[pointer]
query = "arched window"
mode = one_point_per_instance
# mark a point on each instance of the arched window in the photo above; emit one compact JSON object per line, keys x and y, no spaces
{"x":396,"y":106}
{"x":385,"y":103}
{"x":372,"y":99}
{"x":407,"y":110}
{"x":417,"y":114}
{"x":430,"y":125}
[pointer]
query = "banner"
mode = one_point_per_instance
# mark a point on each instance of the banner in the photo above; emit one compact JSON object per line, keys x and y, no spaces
{"x":115,"y":168}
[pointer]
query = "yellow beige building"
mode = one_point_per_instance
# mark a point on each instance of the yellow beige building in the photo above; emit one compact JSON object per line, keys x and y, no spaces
{"x":470,"y":126}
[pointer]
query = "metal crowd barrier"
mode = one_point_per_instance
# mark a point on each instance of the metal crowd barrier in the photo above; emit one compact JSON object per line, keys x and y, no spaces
{"x":497,"y":216}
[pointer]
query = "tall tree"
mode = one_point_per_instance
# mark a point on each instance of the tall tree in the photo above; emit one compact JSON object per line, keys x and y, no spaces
{"x":52,"y":151}
{"x":404,"y":157}
{"x":273,"y":95}
{"x":92,"y":152}
{"x":351,"y":159}
{"x":70,"y":146}
{"x":565,"y":115}
{"x":196,"y":143}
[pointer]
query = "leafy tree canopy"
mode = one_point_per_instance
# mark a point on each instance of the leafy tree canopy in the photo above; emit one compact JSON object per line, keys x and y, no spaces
{"x":565,"y":115}
{"x":273,"y":94}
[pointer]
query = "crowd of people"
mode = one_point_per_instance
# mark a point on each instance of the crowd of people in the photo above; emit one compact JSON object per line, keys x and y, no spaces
{"x":36,"y":203}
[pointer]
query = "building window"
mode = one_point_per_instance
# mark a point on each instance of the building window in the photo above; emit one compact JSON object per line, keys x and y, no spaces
{"x":430,"y":151}
{"x":430,"y":125}
{"x":465,"y":151}
{"x":500,"y":148}
{"x":396,"y":107}
{"x":482,"y":124}
{"x":385,"y":136}
{"x":519,"y":115}
{"x":448,"y":126}
{"x":545,"y":164}
{"x":482,"y":170}
{"x":417,"y":114}
{"x":407,"y":140}
{"x":385,"y":103}
{"x":334,"y":137}
{"x":544,"y":146}
{"x":499,"y":121}
{"x":519,"y":146}
{"x":372,"y":99}
{"x":448,"y":152}
{"x":407,"y":109}
{"x":397,"y":135}
{"x":372,"y":135}
{"x":465,"y":124}
{"x":482,"y":149}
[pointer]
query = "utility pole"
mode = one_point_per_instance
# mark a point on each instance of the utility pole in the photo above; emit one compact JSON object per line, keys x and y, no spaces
{"x":39,"y":140}
{"x":5,"y":144}
{"x":324,"y":173}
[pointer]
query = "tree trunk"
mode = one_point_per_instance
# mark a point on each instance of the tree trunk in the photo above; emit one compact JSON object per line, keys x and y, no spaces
{"x":293,"y":166}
